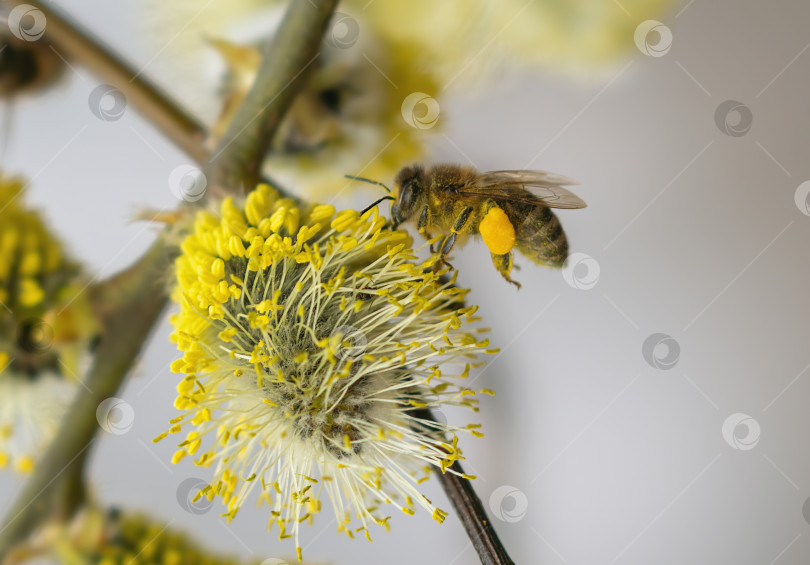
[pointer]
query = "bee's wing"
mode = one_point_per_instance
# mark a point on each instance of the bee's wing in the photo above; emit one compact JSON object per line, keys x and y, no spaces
{"x":534,"y":178}
{"x":527,"y":187}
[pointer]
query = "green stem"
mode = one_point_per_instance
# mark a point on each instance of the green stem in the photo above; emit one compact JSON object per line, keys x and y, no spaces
{"x":287,"y":60}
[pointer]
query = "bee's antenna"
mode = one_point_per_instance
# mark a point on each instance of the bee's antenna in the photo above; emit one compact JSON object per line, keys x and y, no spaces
{"x":367,"y":208}
{"x":388,"y":190}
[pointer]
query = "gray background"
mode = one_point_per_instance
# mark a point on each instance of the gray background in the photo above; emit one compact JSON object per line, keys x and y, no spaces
{"x":607,"y":459}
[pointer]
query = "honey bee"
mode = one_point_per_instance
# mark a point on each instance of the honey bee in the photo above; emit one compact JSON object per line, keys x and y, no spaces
{"x":508,"y":209}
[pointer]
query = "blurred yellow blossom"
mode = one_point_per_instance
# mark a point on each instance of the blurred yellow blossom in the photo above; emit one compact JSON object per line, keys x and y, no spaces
{"x":378,"y":89}
{"x":112,"y":537}
{"x":46,"y":329}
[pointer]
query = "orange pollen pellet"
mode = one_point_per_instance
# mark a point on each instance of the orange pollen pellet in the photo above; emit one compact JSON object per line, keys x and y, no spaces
{"x":497,"y":231}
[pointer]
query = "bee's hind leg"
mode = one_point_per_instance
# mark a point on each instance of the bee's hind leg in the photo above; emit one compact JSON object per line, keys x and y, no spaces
{"x":504,"y":265}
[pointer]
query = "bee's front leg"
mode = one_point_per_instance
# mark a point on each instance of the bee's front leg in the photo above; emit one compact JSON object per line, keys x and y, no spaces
{"x":421,"y":226}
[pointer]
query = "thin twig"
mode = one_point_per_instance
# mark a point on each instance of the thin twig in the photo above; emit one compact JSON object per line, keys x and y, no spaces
{"x":77,"y":44}
{"x":469,"y":509}
{"x":286,"y":62}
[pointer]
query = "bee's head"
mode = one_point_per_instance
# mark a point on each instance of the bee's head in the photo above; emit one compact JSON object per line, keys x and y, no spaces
{"x":410,"y":188}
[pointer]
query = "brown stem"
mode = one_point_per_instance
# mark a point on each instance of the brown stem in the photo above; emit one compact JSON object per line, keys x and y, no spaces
{"x":469,"y":509}
{"x":286,"y":62}
{"x":77,"y":44}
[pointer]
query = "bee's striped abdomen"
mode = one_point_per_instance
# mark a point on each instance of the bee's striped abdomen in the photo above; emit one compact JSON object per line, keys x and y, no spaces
{"x":541,"y":238}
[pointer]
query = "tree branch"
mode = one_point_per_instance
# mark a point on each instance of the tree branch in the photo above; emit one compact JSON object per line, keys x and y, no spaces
{"x":76,"y":44}
{"x":286,"y":62}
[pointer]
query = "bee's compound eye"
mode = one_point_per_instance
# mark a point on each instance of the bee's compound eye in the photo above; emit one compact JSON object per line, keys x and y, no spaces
{"x":405,"y":199}
{"x":331,"y":98}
